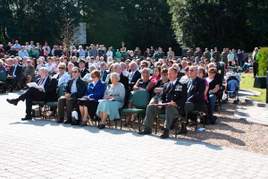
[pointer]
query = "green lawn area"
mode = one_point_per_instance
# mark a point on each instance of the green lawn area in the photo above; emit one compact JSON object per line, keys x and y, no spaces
{"x":247,"y":82}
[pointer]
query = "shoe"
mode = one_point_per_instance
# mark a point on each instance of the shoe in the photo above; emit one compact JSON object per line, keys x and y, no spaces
{"x":165,"y":134}
{"x":60,"y":121}
{"x":75,"y":123}
{"x":26,"y":118}
{"x":67,"y":122}
{"x":145,"y":132}
{"x":183,"y":129}
{"x":13,"y":101}
{"x":101,"y":126}
{"x":83,"y":123}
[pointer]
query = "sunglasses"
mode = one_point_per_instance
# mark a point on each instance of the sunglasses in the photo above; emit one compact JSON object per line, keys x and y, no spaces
{"x":61,"y":68}
{"x":74,"y":71}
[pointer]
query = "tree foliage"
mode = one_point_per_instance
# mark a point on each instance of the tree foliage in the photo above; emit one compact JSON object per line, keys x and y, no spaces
{"x":223,"y":23}
{"x":37,"y":20}
{"x":138,"y":23}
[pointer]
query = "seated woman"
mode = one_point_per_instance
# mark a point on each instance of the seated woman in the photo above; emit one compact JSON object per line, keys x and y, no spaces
{"x":113,"y":101}
{"x":202,"y":74}
{"x":89,"y":103}
{"x":214,"y":87}
{"x":154,"y":78}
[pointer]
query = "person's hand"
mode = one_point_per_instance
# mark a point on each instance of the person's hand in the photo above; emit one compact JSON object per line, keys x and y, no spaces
{"x":107,"y":97}
{"x":172,"y":103}
{"x":67,"y":95}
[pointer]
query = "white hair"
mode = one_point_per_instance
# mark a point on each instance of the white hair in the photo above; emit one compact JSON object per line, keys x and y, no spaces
{"x":115,"y":75}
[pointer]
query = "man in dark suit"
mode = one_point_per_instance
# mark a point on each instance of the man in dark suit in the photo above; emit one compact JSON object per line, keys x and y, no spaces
{"x":173,"y":100}
{"x":44,"y":90}
{"x":134,"y":74}
{"x":16,"y":77}
{"x":195,"y":87}
{"x":76,"y":88}
{"x":195,"y":93}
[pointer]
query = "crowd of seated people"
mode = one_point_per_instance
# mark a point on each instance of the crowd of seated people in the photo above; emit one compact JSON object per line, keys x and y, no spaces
{"x":97,"y":82}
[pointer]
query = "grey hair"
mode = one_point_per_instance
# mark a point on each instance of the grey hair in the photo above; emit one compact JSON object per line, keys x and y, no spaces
{"x":43,"y":69}
{"x":115,"y":75}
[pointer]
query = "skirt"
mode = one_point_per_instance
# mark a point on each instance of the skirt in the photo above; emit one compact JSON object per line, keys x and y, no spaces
{"x":111,"y":108}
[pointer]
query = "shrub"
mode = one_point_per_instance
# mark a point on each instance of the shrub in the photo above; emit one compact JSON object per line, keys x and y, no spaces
{"x":262,"y":60}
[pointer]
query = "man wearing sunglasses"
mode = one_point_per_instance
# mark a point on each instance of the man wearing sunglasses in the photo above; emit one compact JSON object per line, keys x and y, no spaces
{"x":76,"y":88}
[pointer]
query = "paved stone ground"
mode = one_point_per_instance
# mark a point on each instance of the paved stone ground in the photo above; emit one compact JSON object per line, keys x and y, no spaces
{"x":44,"y":149}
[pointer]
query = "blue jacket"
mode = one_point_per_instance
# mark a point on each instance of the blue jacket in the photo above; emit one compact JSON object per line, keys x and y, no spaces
{"x":96,"y":92}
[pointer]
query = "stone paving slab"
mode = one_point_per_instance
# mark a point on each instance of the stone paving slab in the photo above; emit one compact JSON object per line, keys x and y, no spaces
{"x":44,"y":149}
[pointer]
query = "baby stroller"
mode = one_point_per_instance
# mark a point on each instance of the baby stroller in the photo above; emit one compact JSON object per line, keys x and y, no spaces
{"x":233,"y":85}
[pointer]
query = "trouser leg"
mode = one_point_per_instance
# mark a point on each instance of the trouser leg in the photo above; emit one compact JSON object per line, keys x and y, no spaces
{"x":61,"y":105}
{"x":171,"y":114}
{"x":151,"y":113}
{"x":70,"y":104}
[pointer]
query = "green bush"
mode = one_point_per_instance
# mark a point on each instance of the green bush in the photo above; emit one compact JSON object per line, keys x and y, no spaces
{"x":262,"y":60}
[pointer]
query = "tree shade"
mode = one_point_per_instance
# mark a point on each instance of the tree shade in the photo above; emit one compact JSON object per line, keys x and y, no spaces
{"x":222,"y":23}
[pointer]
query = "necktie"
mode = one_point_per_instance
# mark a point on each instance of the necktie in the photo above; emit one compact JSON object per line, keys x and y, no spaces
{"x":40,"y":82}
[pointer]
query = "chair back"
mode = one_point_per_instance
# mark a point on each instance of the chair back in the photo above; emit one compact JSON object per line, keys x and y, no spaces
{"x":3,"y":76}
{"x":61,"y":90}
{"x":140,"y":99}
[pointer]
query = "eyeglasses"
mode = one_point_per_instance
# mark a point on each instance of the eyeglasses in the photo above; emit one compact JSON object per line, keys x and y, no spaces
{"x":61,"y":68}
{"x":74,"y":71}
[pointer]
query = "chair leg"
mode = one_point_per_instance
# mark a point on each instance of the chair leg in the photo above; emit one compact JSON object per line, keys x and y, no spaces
{"x":139,"y":122}
{"x":121,"y":123}
{"x":115,"y":124}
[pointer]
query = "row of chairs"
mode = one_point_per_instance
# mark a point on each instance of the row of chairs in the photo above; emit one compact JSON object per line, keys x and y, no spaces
{"x":140,"y":99}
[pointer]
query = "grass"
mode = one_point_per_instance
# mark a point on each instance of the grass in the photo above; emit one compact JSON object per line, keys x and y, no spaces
{"x":247,"y":82}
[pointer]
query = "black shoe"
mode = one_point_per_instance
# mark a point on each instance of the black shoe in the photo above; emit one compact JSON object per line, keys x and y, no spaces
{"x":67,"y":122}
{"x":60,"y":121}
{"x":183,"y":129}
{"x":145,"y":132}
{"x":13,"y":101}
{"x":26,"y":118}
{"x":165,"y":134}
{"x":75,"y":123}
{"x":101,"y":126}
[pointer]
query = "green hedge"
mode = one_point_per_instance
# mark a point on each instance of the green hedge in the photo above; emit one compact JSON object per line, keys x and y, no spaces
{"x":262,"y":60}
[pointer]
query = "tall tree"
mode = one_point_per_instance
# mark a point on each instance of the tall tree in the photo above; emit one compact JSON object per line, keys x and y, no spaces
{"x":223,"y":23}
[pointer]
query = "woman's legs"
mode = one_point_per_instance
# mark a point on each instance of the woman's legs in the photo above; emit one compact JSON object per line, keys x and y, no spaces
{"x":103,"y":117}
{"x":82,"y":111}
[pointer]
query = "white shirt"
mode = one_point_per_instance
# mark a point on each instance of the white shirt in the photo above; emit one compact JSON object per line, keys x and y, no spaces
{"x":109,"y":53}
{"x":63,"y":79}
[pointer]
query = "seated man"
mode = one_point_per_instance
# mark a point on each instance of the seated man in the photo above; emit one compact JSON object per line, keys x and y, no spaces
{"x":44,"y":90}
{"x":196,"y":90}
{"x":76,"y":88}
{"x":173,"y":100}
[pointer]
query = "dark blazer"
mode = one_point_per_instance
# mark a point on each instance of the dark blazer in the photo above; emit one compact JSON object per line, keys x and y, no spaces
{"x":96,"y":91}
{"x":84,"y":72}
{"x":104,"y":75}
{"x":18,"y":72}
{"x":50,"y":89}
{"x":196,"y":90}
{"x":175,"y":92}
{"x":81,"y":88}
{"x":135,"y":77}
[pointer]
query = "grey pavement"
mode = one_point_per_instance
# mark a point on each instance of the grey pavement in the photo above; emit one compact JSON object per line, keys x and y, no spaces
{"x":44,"y":149}
{"x":251,"y":111}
